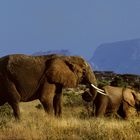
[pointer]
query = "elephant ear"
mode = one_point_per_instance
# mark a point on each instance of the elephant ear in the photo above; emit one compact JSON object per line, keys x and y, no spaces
{"x":75,"y":68}
{"x":59,"y":72}
{"x":128,"y":97}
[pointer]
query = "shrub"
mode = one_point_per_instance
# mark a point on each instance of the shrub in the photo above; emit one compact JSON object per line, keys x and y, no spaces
{"x":6,"y":111}
{"x":5,"y":115}
{"x":72,"y":99}
{"x":39,"y":106}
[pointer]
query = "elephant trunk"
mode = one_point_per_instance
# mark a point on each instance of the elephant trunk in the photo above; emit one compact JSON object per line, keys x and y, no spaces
{"x":92,"y":82}
{"x":90,"y":95}
{"x":94,"y":89}
{"x":93,"y":92}
{"x":99,"y":90}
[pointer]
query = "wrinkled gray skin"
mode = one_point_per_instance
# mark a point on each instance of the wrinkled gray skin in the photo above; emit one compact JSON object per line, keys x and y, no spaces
{"x":119,"y":100}
{"x":26,"y":78}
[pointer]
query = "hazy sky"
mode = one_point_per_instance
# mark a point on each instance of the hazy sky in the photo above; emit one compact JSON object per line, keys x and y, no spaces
{"x":29,"y":26}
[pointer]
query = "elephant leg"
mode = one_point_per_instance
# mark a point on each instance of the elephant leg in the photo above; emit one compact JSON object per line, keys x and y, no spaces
{"x":57,"y":101}
{"x":16,"y":110}
{"x":3,"y":100}
{"x":101,"y":107}
{"x":47,"y":95}
{"x":13,"y":97}
{"x":125,"y":110}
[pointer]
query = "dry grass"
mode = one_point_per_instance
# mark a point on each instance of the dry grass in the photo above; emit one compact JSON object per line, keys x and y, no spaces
{"x":74,"y":125}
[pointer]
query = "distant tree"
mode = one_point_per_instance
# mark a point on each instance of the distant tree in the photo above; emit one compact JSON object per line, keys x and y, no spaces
{"x":118,"y":81}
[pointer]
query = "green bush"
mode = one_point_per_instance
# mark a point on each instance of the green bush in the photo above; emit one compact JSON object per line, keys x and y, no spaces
{"x":102,"y":83}
{"x":72,"y":99}
{"x":39,"y":106}
{"x":5,"y":115}
{"x":118,"y":81}
{"x":6,"y":110}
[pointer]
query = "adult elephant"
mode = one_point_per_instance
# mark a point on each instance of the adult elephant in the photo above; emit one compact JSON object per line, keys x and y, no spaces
{"x":26,"y":78}
{"x":117,"y":100}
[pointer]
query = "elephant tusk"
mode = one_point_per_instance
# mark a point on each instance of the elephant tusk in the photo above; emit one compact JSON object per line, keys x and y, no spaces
{"x":102,"y":93}
{"x":97,"y":88}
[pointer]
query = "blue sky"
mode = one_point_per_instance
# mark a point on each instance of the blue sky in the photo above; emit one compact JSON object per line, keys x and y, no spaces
{"x":29,"y":26}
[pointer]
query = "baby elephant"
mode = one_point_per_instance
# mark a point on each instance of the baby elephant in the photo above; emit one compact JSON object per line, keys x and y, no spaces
{"x":117,"y":100}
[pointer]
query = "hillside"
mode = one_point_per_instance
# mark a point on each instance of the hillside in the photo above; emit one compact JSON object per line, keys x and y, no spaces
{"x":120,"y":57}
{"x":64,"y":52}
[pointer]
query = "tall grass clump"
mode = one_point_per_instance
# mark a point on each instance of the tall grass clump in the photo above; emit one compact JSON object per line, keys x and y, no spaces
{"x":5,"y":115}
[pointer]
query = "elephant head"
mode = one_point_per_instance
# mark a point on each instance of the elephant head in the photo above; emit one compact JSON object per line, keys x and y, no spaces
{"x":132,"y":97}
{"x":69,"y":71}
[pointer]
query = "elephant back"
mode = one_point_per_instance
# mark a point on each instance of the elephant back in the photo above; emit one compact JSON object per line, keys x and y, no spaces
{"x":26,"y":72}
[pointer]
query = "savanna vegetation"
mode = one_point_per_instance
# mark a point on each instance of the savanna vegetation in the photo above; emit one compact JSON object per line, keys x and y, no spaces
{"x":76,"y":123}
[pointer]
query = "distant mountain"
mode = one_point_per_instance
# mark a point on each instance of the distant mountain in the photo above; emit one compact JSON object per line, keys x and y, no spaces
{"x":64,"y":52}
{"x":120,"y":57}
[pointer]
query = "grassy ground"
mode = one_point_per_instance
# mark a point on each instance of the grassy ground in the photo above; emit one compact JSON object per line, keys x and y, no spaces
{"x":74,"y":125}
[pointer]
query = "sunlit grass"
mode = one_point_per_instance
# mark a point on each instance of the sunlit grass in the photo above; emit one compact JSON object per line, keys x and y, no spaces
{"x":36,"y":124}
